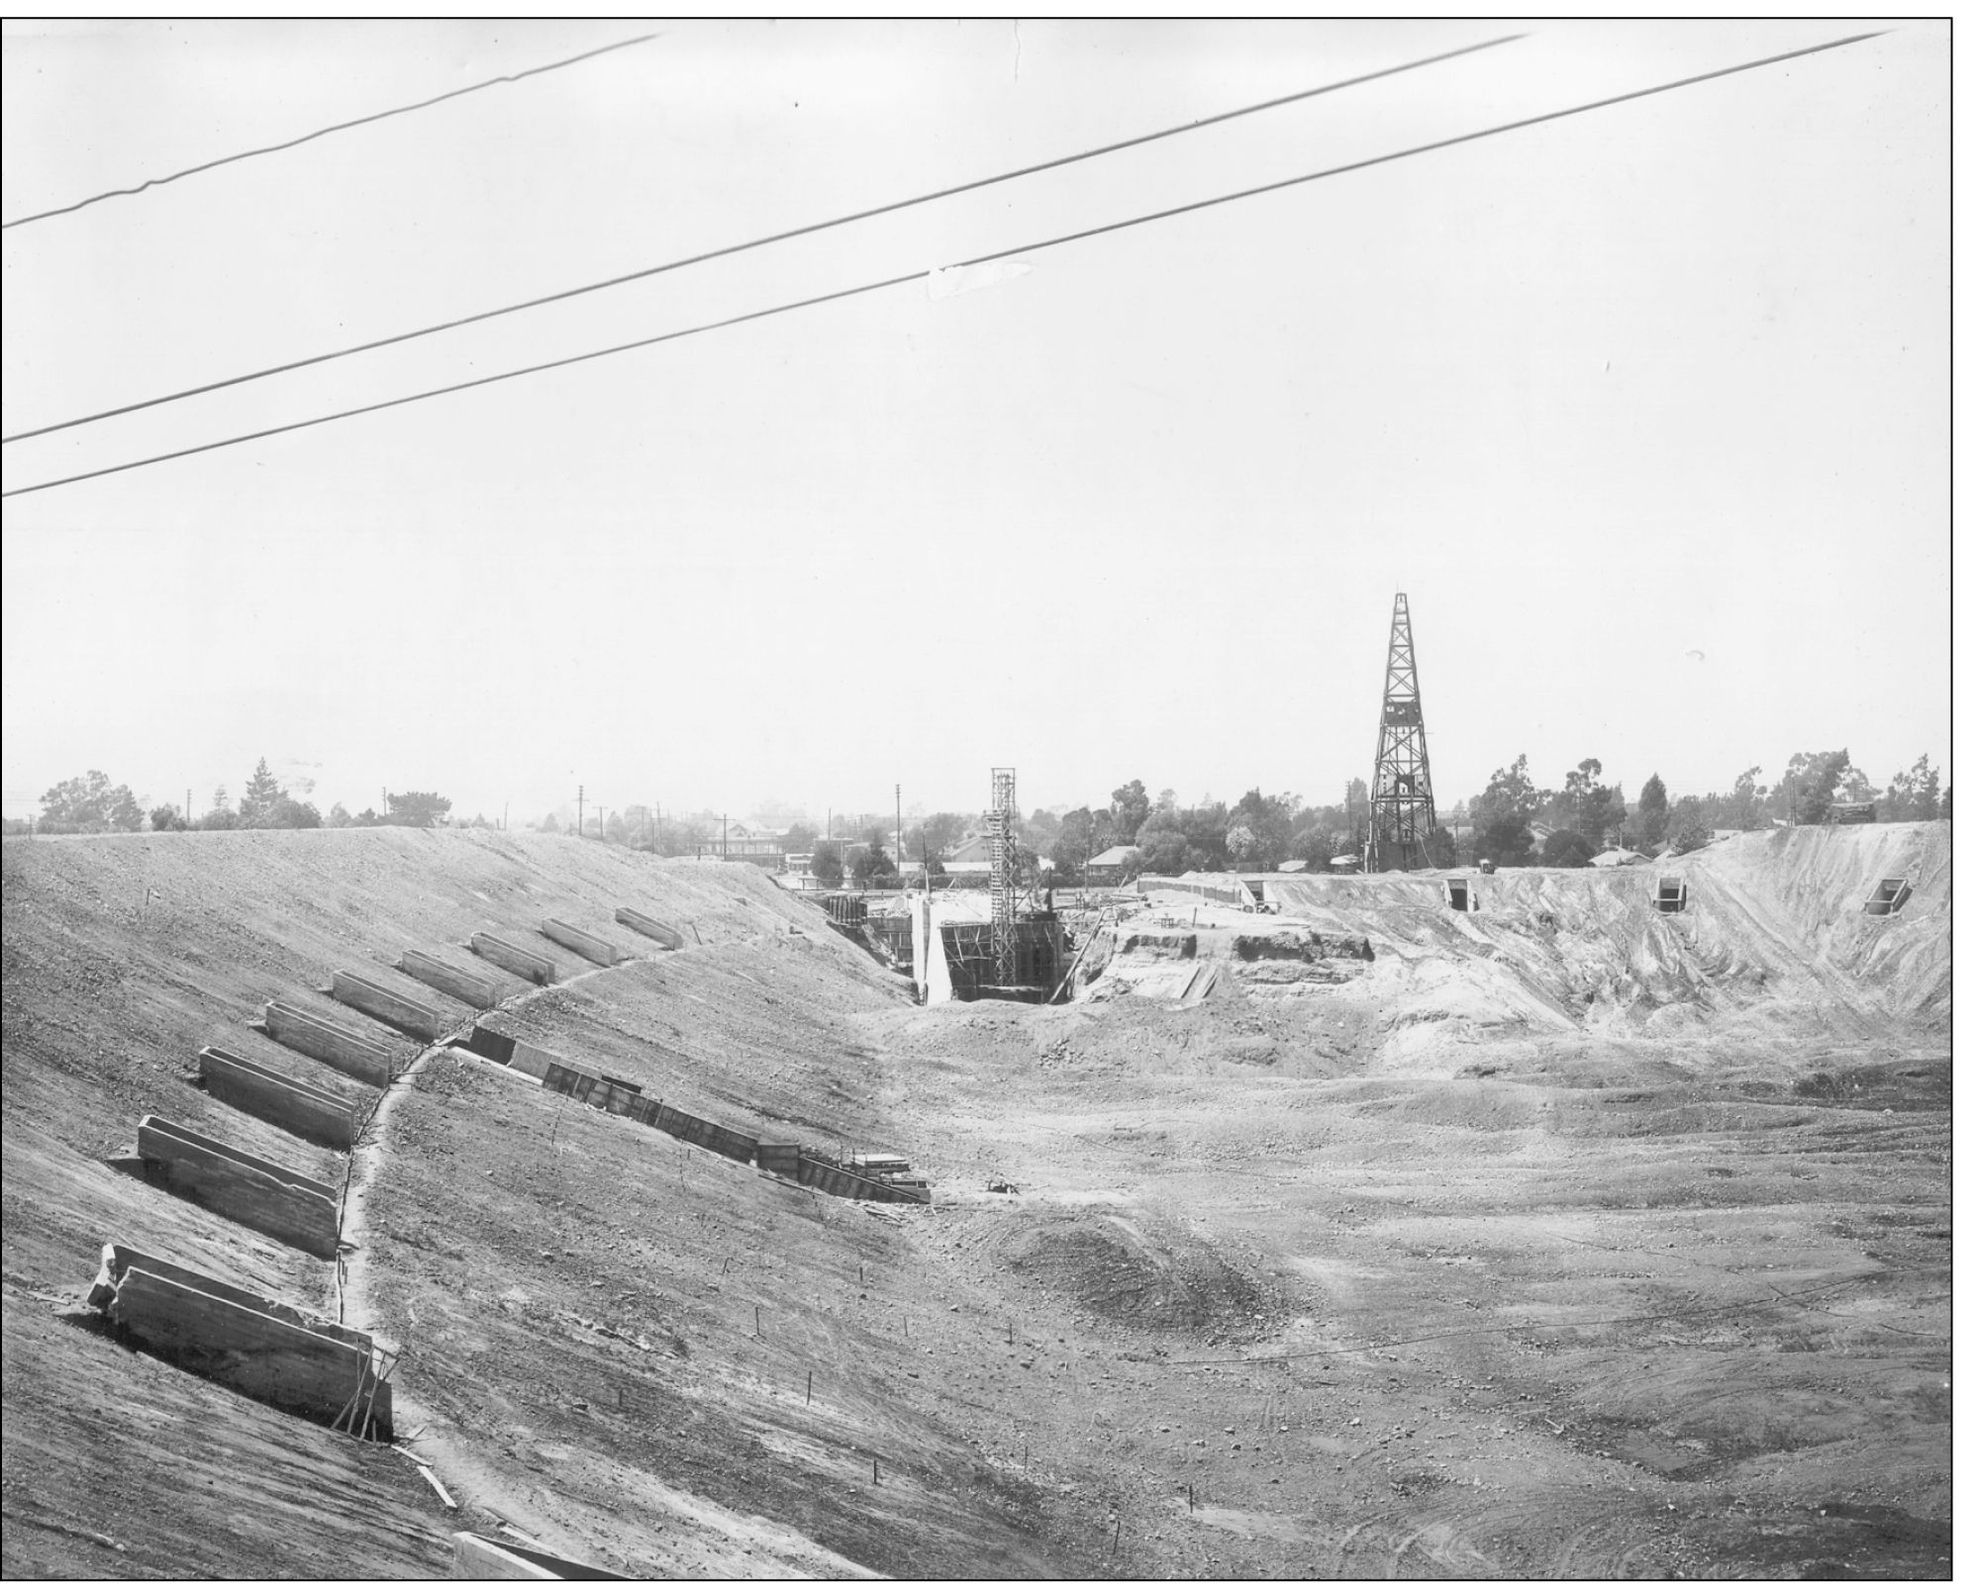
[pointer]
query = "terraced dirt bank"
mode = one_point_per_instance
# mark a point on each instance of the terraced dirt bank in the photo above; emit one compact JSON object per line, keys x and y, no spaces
{"x":1560,"y":1239}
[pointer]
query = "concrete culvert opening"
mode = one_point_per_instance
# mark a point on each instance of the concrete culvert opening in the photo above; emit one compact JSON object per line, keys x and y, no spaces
{"x":1889,"y":895}
{"x":1672,"y":895}
{"x":1459,"y":895}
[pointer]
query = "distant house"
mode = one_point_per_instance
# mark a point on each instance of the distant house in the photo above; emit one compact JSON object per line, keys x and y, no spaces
{"x":1111,"y":865}
{"x":743,"y":842}
{"x":970,"y":858}
{"x":1291,"y":867}
{"x":1617,"y":856}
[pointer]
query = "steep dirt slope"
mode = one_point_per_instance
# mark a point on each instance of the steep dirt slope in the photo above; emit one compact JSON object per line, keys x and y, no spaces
{"x":1774,"y":943}
{"x":123,"y":956}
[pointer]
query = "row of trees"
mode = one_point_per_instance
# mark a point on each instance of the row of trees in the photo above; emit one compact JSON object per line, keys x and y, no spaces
{"x":1584,"y":815}
{"x":91,"y":803}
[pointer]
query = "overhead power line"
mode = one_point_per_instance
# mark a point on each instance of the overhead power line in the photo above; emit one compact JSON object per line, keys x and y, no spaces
{"x":323,"y":132}
{"x":985,"y":258}
{"x":729,"y":250}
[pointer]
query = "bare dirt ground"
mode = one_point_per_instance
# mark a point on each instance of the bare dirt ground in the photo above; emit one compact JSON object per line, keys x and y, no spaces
{"x":1562,"y":1240}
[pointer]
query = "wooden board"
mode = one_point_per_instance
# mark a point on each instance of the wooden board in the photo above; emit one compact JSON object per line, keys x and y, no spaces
{"x":581,"y":942}
{"x":477,"y":1557}
{"x":387,"y":1006}
{"x":646,"y":925}
{"x":474,"y":990}
{"x":516,"y":960}
{"x":121,"y":1259}
{"x":289,"y":1104}
{"x":246,"y":1349}
{"x":251,"y":1191}
{"x":345,"y":1050}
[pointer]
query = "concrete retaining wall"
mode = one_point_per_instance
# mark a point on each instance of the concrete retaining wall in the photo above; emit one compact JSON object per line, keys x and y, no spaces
{"x":343,"y":1049}
{"x":516,"y":960}
{"x":581,"y":942}
{"x":387,"y":1006}
{"x":474,"y":990}
{"x":645,"y":925}
{"x":315,"y":1114}
{"x":252,"y":1191}
{"x":245,"y":1347}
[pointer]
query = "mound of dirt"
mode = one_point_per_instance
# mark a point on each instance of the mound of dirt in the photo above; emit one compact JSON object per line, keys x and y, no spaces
{"x":1152,"y":1276}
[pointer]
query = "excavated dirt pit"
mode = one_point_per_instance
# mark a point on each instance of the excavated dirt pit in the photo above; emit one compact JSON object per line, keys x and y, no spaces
{"x":1561,"y":1239}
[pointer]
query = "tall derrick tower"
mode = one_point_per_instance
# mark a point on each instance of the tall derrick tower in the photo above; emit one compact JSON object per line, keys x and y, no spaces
{"x":1003,"y":873}
{"x":1403,"y":803}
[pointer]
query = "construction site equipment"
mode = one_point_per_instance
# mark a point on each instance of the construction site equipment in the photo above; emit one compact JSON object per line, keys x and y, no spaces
{"x":1003,"y":873}
{"x":1889,"y":895}
{"x":1403,"y":802}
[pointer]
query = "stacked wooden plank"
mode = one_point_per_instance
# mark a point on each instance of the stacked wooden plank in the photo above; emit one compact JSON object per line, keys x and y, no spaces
{"x":387,"y":1006}
{"x":477,"y":991}
{"x":645,"y":925}
{"x":255,"y":1345}
{"x":344,"y":1049}
{"x":304,"y":1109}
{"x":505,"y":954}
{"x":253,"y":1191}
{"x":581,"y":942}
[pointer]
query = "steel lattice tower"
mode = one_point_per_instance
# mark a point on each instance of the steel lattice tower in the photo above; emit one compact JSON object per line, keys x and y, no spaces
{"x":1402,"y":813}
{"x":1002,"y":872}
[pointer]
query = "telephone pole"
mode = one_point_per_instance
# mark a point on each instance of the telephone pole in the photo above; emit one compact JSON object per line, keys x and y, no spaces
{"x":580,"y":809}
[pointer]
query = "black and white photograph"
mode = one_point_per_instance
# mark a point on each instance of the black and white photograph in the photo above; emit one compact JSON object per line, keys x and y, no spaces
{"x":976,"y":799}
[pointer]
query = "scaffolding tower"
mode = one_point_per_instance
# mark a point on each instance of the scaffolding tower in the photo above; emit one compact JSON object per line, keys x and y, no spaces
{"x":1403,"y":803}
{"x":1003,"y":873}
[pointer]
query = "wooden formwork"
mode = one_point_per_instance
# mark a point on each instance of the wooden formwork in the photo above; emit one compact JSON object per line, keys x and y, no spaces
{"x":303,"y":1109}
{"x":346,"y":1050}
{"x":250,"y":1190}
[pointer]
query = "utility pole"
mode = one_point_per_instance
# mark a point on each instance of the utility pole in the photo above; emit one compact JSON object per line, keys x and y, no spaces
{"x":580,"y":809}
{"x":724,"y":834}
{"x":899,"y":841}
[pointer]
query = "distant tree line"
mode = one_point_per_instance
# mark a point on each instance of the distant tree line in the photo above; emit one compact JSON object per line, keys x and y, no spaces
{"x":1586,"y":815}
{"x":91,"y":803}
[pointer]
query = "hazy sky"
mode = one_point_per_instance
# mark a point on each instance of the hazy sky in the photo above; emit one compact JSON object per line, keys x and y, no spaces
{"x":1646,"y":410}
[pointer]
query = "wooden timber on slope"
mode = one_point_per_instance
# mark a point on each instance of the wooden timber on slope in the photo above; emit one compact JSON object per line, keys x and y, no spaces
{"x":516,"y":960}
{"x":475,"y":990}
{"x":581,"y":942}
{"x":477,"y":1557}
{"x":249,"y":1190}
{"x":344,"y":1049}
{"x":302,"y":1109}
{"x":646,"y":925}
{"x":387,"y":1006}
{"x":243,"y":1340}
